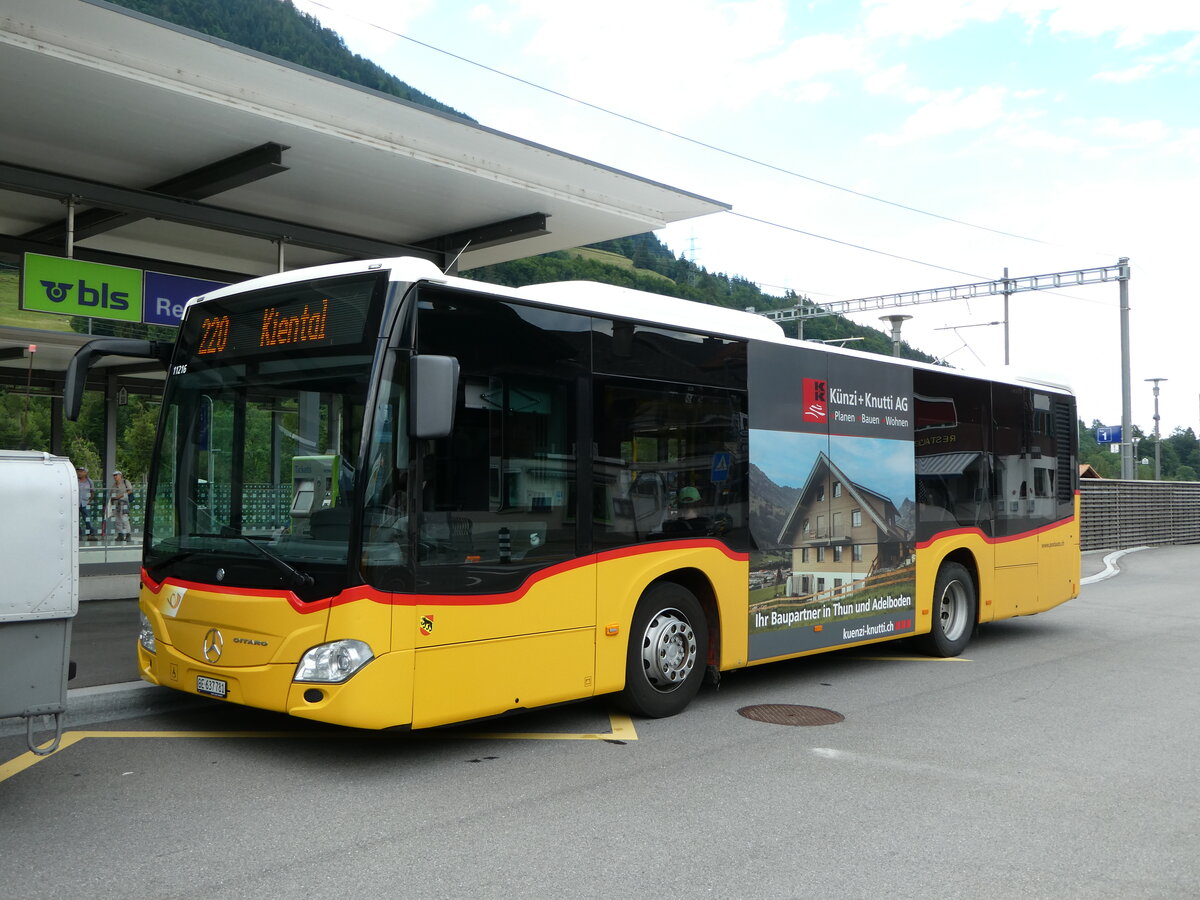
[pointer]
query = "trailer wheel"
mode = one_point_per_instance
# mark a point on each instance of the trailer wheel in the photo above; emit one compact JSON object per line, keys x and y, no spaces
{"x":955,"y":606}
{"x":668,"y":649}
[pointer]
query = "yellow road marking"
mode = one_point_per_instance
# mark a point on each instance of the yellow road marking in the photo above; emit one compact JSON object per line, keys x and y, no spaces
{"x":621,"y":725}
{"x":27,"y":759}
{"x":936,"y":659}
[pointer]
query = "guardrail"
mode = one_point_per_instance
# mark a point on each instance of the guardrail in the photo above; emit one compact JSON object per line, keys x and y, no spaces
{"x":1115,"y":514}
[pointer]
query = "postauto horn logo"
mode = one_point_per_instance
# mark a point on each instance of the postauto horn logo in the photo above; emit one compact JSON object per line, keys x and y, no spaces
{"x":74,"y":288}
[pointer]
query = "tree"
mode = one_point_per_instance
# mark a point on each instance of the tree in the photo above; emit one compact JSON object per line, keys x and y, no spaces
{"x":1098,"y":456}
{"x":24,"y":420}
{"x":136,"y":445}
{"x":1185,"y":454}
{"x":82,"y":452}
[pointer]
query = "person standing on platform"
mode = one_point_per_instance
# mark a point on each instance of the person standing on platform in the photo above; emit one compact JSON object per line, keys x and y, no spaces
{"x":118,"y":496}
{"x":86,"y":487}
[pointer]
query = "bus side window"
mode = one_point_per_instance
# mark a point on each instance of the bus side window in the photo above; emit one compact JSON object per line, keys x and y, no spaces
{"x":669,"y":462}
{"x":386,"y":504}
{"x":953,"y":453}
{"x":498,"y":498}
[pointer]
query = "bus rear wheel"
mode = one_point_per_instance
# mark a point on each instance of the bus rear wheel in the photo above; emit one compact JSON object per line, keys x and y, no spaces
{"x":954,"y":612}
{"x":668,"y":650}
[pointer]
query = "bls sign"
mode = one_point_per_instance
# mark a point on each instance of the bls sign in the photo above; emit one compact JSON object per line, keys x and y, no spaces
{"x":75,"y":288}
{"x":60,"y":292}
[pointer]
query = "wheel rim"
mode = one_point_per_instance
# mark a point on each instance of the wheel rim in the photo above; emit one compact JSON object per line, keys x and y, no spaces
{"x":668,"y":650}
{"x":954,"y":610}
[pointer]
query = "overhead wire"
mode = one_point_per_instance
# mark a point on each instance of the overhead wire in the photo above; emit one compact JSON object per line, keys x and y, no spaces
{"x":720,"y":150}
{"x":683,"y":137}
{"x":834,"y":240}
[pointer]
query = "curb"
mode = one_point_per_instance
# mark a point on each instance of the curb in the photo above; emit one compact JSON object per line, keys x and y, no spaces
{"x":104,"y":703}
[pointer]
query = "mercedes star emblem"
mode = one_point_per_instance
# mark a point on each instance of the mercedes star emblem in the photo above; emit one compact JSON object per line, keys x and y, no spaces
{"x":213,"y":645}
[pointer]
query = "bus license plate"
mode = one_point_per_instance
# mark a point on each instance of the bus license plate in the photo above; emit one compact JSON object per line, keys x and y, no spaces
{"x":214,"y":687}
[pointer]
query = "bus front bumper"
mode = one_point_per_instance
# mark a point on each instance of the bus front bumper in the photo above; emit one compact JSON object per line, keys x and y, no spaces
{"x":379,"y":695}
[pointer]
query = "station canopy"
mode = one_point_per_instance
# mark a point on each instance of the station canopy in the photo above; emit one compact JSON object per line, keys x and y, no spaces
{"x":175,"y":149}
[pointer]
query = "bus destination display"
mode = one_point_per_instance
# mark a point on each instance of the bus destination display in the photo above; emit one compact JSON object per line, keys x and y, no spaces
{"x":278,"y":328}
{"x":299,"y":324}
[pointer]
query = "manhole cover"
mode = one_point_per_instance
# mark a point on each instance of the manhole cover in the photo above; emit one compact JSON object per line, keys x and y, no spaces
{"x":790,"y":714}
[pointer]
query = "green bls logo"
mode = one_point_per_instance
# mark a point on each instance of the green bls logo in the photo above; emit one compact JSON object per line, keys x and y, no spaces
{"x":74,"y":288}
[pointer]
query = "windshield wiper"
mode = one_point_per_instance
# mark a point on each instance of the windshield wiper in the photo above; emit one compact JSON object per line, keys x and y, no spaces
{"x":299,"y":579}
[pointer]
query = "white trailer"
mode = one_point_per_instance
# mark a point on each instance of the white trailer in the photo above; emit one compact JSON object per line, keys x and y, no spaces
{"x":39,"y":593}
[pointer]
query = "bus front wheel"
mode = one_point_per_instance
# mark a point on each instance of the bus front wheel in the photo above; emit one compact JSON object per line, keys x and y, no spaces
{"x":668,"y":650}
{"x":954,"y":611}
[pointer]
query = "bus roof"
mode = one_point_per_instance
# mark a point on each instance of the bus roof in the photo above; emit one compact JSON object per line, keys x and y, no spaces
{"x":586,"y":296}
{"x":612,"y":300}
{"x":658,"y":308}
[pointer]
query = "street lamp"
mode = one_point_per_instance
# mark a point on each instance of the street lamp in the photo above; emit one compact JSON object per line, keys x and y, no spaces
{"x":896,"y":322}
{"x":1157,"y":443}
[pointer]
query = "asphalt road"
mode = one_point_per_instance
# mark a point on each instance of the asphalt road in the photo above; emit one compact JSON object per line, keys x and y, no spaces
{"x":1057,"y":758}
{"x":104,"y":643}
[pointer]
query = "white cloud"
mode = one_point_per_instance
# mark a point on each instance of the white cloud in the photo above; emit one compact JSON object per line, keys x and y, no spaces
{"x":1183,"y":58}
{"x":895,"y":81}
{"x":811,"y":92}
{"x":892,"y":80}
{"x":488,"y":18}
{"x":672,"y":61}
{"x":1143,"y":133}
{"x":820,"y":54}
{"x":1020,"y":136}
{"x":927,"y":18}
{"x":948,"y":112}
{"x":1186,"y":143}
{"x":1123,"y":76}
{"x":1131,"y":23}
{"x":1187,"y":55}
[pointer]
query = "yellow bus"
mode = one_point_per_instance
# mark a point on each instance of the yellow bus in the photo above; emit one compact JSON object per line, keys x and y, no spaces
{"x":382,"y":496}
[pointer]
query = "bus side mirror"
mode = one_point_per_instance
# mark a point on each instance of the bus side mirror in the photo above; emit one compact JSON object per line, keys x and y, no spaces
{"x":93,"y":351}
{"x":434,"y":381}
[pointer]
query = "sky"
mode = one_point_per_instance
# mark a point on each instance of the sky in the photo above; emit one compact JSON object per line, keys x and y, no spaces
{"x":876,"y":147}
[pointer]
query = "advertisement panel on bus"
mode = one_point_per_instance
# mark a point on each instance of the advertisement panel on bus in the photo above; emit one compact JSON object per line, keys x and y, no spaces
{"x":832,"y":469}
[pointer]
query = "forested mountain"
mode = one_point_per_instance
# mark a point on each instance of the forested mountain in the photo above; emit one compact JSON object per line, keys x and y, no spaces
{"x":277,"y":28}
{"x":645,"y":263}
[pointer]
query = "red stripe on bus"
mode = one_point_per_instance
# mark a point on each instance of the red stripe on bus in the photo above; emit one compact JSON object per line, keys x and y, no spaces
{"x":365,"y":592}
{"x":957,"y":532}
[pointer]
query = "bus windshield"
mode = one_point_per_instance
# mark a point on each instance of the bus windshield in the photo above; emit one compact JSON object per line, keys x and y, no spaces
{"x":255,"y":475}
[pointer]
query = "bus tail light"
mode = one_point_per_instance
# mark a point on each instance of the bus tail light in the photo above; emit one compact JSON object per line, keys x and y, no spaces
{"x":333,"y":662}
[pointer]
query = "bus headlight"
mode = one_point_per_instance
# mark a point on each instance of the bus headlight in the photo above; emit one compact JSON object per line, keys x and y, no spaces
{"x":146,"y":635}
{"x":333,"y":662}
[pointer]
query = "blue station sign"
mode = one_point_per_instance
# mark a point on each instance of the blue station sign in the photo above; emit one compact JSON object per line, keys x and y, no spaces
{"x":165,"y":296}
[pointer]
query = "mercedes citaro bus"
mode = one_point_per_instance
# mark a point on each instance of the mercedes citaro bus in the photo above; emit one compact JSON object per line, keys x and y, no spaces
{"x":382,"y":496}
